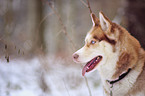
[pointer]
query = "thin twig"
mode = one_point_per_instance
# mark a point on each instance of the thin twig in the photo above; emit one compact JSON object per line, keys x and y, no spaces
{"x":59,"y":32}
{"x":41,"y":22}
{"x":86,"y":80}
{"x":84,"y":3}
{"x":61,"y":23}
{"x":66,"y":88}
{"x":43,"y":19}
{"x":89,"y":6}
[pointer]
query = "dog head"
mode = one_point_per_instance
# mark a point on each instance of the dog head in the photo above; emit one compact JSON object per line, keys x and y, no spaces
{"x":105,"y":47}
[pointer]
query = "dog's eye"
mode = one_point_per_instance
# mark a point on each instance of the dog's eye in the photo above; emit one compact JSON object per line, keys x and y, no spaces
{"x":93,"y":42}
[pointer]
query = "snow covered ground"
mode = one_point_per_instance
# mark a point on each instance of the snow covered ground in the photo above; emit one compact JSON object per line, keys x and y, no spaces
{"x":36,"y":77}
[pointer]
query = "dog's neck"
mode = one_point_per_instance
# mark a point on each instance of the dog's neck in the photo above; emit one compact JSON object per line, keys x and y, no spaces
{"x":122,"y":86}
{"x":120,"y":77}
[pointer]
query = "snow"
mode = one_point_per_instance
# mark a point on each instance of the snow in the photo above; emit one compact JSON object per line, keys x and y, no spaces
{"x":51,"y":78}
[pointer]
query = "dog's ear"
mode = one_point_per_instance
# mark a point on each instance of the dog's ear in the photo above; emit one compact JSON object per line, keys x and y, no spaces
{"x":95,"y":20}
{"x":104,"y":22}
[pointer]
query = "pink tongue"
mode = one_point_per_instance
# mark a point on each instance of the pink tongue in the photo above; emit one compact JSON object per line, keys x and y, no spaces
{"x":84,"y":70}
{"x":87,"y":65}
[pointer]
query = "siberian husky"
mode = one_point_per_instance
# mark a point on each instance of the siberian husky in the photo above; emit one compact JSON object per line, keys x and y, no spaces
{"x":117,"y":56}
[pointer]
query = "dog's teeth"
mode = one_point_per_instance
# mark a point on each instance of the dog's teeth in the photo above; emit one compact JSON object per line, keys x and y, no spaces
{"x":96,"y":60}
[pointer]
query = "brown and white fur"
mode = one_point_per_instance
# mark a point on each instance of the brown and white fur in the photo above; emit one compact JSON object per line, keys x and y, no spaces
{"x":120,"y":51}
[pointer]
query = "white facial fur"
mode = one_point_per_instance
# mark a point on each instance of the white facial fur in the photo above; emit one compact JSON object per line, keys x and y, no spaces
{"x":102,"y":48}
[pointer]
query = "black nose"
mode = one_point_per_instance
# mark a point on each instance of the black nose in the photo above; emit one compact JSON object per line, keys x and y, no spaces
{"x":75,"y":56}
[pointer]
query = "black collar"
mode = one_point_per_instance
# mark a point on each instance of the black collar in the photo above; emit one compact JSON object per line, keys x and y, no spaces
{"x":120,"y":77}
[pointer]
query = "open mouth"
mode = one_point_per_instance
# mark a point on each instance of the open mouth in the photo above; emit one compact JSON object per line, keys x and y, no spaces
{"x":91,"y":64}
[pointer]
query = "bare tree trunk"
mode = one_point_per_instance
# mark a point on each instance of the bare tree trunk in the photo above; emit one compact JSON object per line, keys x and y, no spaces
{"x":35,"y":12}
{"x":40,"y":42}
{"x":135,"y":13}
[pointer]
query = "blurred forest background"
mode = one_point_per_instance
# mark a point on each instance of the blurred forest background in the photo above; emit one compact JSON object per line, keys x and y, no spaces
{"x":44,"y":29}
